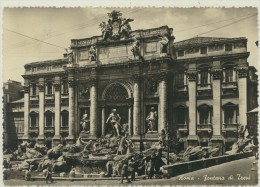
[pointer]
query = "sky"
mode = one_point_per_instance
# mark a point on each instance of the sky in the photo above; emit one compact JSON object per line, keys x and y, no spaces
{"x":58,"y":26}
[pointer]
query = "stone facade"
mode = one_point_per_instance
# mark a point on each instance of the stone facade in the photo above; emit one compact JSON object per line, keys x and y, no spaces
{"x":13,"y":104}
{"x":197,"y":87}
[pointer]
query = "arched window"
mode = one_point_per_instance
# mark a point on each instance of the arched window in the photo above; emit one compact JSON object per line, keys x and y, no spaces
{"x":49,"y":118}
{"x":116,"y":92}
{"x":64,"y":118}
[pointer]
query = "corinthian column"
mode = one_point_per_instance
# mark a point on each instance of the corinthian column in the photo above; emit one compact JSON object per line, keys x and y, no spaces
{"x":163,"y":101}
{"x":57,"y":110}
{"x":26,"y":113}
{"x":93,"y":107}
{"x":71,"y":109}
{"x":137,"y":105}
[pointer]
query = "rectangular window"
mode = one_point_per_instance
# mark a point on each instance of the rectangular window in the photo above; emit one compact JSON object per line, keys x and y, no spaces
{"x":229,"y":75}
{"x":228,"y":47}
{"x":49,"y":88}
{"x":64,"y":86}
{"x":181,"y":117}
{"x":33,"y":121}
{"x":180,"y":53}
{"x":49,"y":68}
{"x":203,"y":50}
{"x":34,"y":69}
{"x":204,"y":77}
{"x":65,"y":119}
{"x":33,"y":89}
{"x":180,"y":79}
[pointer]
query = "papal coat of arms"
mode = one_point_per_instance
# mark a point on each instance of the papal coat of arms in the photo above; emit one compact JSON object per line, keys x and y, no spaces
{"x":116,"y":27}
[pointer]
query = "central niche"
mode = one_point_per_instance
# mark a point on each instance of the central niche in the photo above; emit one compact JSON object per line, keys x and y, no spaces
{"x":116,"y":92}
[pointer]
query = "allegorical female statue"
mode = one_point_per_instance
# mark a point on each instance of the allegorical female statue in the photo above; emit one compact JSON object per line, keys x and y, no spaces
{"x":151,"y":119}
{"x":85,"y":122}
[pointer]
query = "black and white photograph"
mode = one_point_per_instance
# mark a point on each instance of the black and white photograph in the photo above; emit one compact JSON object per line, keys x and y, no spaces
{"x":130,"y":96}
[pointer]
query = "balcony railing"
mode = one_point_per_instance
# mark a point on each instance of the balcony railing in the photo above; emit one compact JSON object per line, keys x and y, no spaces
{"x":229,"y":85}
{"x":204,"y":127}
{"x":204,"y":86}
{"x":182,"y":127}
{"x":49,"y":129}
{"x":49,"y":96}
{"x":64,"y":129}
{"x":230,"y":127}
{"x":181,"y":88}
{"x":33,"y":129}
{"x":34,"y":97}
{"x":64,"y":95}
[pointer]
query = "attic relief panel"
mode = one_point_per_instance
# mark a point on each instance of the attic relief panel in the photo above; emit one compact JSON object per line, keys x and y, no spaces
{"x":113,"y":52}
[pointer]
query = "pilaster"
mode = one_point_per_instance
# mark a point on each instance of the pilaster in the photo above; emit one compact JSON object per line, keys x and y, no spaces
{"x":216,"y":118}
{"x":41,"y":110}
{"x":163,"y":101}
{"x":26,"y":112}
{"x":192,"y":89}
{"x":71,"y":109}
{"x":57,"y":96}
{"x":242,"y":89}
{"x":137,"y":105}
{"x":93,"y":106}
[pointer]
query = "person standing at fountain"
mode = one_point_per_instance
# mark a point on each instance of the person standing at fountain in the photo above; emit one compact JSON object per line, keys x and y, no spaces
{"x":124,"y":173}
{"x":114,"y":120}
{"x":131,"y":166}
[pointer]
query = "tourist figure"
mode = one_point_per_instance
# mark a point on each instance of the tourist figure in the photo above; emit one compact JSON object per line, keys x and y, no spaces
{"x":124,"y":173}
{"x":130,"y":147}
{"x":241,"y":132}
{"x":162,"y":138}
{"x":48,"y":175}
{"x":28,"y":175}
{"x":122,"y":149}
{"x":114,"y":120}
{"x":150,"y":168}
{"x":151,"y":119}
{"x":85,"y":122}
{"x":131,"y":167}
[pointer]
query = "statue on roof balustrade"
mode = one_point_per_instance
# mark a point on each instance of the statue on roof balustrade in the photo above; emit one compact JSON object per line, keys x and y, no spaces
{"x":136,"y":49}
{"x":92,"y":53}
{"x":164,"y":44}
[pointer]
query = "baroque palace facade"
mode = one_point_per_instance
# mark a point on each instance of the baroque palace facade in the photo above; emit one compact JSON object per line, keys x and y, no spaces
{"x":198,"y":87}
